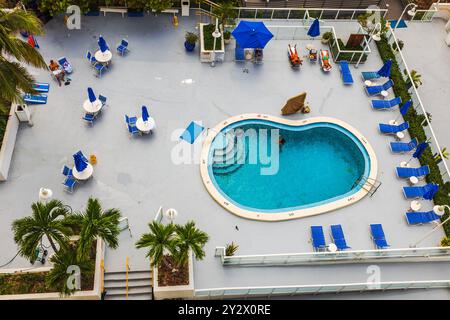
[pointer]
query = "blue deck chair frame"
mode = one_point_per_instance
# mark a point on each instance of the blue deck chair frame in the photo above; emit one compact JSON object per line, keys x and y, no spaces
{"x":378,"y":237}
{"x":370,"y":75}
{"x":66,"y":171}
{"x":418,"y":218}
{"x":386,"y":104}
{"x":65,"y":64}
{"x":374,"y":90}
{"x":346,"y":73}
{"x":404,"y":172}
{"x":337,"y":234}
{"x":35,"y":98}
{"x":89,"y":118}
{"x":403,"y":147}
{"x":416,"y":191}
{"x":123,"y":47}
{"x":393,"y":129}
{"x":318,"y":238}
{"x":69,"y":184}
{"x":91,"y":58}
{"x":41,"y":87}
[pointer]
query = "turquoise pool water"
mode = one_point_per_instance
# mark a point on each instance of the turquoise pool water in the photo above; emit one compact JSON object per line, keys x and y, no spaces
{"x":318,"y":163}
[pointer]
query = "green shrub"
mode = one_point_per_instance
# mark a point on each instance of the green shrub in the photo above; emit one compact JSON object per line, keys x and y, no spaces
{"x":415,"y":129}
{"x":209,"y":39}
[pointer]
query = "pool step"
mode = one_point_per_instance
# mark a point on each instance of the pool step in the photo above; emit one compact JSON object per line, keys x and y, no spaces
{"x":219,"y":150}
{"x":236,"y":157}
{"x":240,"y":159}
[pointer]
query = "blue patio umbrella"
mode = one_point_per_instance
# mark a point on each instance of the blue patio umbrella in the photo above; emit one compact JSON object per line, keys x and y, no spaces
{"x":405,"y":107}
{"x":432,"y":190}
{"x":145,"y":115}
{"x":385,"y":70}
{"x":102,"y":44}
{"x":249,"y":34}
{"x":91,"y":95}
{"x":314,"y":29}
{"x":80,"y":164}
{"x":420,"y":149}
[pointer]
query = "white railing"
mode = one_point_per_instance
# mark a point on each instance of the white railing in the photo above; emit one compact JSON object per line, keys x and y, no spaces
{"x":293,"y":13}
{"x":268,"y":291}
{"x":432,"y":254}
{"x":418,"y":105}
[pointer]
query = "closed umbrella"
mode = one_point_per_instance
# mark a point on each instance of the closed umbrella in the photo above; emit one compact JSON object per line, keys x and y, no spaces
{"x":385,"y":70}
{"x":80,"y":164}
{"x":145,"y":115}
{"x":91,"y":95}
{"x":102,"y":44}
{"x":314,"y":29}
{"x":420,"y":149}
{"x":432,"y":190}
{"x":249,"y":34}
{"x":404,"y":109}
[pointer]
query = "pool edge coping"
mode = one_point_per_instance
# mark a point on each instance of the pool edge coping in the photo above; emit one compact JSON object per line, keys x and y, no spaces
{"x":288,"y":215}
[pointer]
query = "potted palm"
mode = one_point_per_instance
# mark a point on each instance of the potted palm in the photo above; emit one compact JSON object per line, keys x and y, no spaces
{"x":191,"y":39}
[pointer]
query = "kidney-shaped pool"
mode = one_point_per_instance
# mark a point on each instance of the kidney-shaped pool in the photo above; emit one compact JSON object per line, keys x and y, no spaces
{"x":267,"y":168}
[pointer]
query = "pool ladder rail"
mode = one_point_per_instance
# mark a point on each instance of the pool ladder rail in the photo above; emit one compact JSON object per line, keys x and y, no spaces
{"x":368,"y":184}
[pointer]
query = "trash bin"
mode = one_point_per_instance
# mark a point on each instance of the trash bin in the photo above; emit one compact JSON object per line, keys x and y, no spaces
{"x":23,"y":113}
{"x":185,"y":8}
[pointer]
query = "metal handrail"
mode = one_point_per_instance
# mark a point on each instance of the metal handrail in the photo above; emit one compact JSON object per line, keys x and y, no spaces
{"x":127,"y":266}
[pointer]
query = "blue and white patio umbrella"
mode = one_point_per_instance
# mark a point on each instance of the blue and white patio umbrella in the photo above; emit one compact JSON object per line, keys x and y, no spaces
{"x":420,"y":149}
{"x":252,"y":34}
{"x":385,"y":70}
{"x":80,"y":164}
{"x":433,"y":189}
{"x":314,"y":29}
{"x":102,"y":44}
{"x":145,"y":115}
{"x":91,"y":95}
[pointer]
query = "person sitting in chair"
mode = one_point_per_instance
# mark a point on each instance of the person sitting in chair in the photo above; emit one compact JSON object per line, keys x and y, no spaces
{"x":57,"y":71}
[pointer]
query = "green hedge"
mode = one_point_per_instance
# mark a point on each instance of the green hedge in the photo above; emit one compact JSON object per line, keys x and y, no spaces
{"x":415,"y":128}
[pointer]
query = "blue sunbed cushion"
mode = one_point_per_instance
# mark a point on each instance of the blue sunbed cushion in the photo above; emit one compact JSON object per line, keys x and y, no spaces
{"x":35,"y":99}
{"x":41,"y":86}
{"x":318,"y":237}
{"x":192,"y":132}
{"x":421,"y":217}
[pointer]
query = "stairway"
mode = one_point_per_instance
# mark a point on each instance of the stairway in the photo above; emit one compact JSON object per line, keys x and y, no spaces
{"x":229,"y":154}
{"x":139,"y":285}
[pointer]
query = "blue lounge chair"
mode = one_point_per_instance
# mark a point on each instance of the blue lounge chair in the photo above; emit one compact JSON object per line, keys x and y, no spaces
{"x":337,"y":234}
{"x":65,"y":65}
{"x":89,"y":118}
{"x":373,"y":90}
{"x":318,"y":238}
{"x":369,"y":75}
{"x":386,"y":104}
{"x":378,"y":237}
{"x":69,"y":184}
{"x":402,"y":147}
{"x":417,"y":192}
{"x":393,"y":129}
{"x":35,"y":98}
{"x":66,"y":171}
{"x":412,"y":172}
{"x":91,"y":58}
{"x":41,"y":86}
{"x":123,"y":47}
{"x":133,"y":130}
{"x":102,"y":99}
{"x":346,"y":74}
{"x":130,"y":120}
{"x":421,"y":217}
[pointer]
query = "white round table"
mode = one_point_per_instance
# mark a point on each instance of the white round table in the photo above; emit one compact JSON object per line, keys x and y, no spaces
{"x":368,"y":83}
{"x":393,"y":122}
{"x":438,"y":211}
{"x":415,"y":205}
{"x":332,"y":247}
{"x":384,"y":94}
{"x":309,"y":46}
{"x":103,"y":57}
{"x":45,"y":194}
{"x":404,"y":164}
{"x":413,"y":180}
{"x":92,"y":107}
{"x":399,"y":135}
{"x":83,"y":175}
{"x":145,"y":126}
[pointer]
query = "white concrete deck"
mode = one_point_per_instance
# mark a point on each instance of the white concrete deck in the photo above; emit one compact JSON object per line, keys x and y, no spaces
{"x":137,"y":174}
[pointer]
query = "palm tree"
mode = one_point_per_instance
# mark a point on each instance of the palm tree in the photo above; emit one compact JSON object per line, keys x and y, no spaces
{"x":160,"y":242}
{"x":64,"y":259}
{"x":445,"y":154}
{"x":93,"y":223}
{"x":44,"y":221}
{"x":14,"y":77}
{"x":416,"y":78}
{"x":189,"y":237}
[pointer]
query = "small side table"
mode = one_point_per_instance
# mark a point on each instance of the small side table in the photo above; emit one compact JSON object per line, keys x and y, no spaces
{"x":393,"y":122}
{"x":404,"y":164}
{"x":413,"y":180}
{"x":399,"y":135}
{"x":384,"y":94}
{"x":368,"y":83}
{"x":415,"y":205}
{"x":332,"y":247}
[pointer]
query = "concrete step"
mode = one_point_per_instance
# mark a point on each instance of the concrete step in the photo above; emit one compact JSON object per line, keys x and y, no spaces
{"x":220,"y":149}
{"x":121,"y":275}
{"x":131,"y":291}
{"x":117,"y":284}
{"x":130,"y":297}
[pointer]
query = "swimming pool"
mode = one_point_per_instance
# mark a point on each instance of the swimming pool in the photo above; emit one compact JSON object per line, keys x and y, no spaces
{"x":315,"y":169}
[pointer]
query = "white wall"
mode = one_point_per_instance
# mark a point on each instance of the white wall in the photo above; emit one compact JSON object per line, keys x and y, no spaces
{"x":9,"y":141}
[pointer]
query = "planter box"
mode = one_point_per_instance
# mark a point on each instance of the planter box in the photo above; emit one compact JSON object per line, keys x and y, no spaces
{"x":94,"y":294}
{"x":207,"y":55}
{"x":175,"y":292}
{"x":8,"y":143}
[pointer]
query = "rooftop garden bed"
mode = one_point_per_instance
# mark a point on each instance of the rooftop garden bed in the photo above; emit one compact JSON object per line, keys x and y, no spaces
{"x":169,"y":274}
{"x":416,"y":129}
{"x":209,"y":39}
{"x":350,"y":57}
